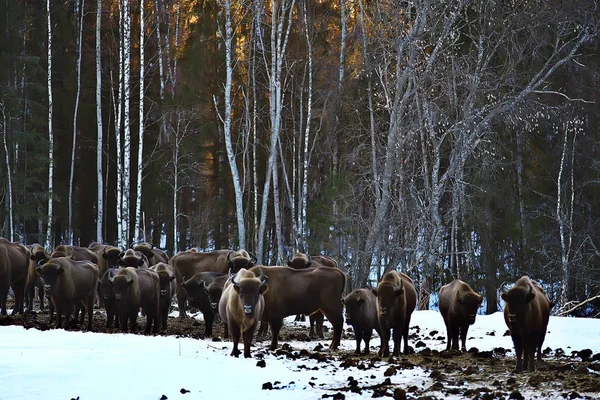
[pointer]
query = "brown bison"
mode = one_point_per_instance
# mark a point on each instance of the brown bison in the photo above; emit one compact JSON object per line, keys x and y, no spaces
{"x":396,"y":300}
{"x":75,"y":252}
{"x":215,"y":290}
{"x":168,"y":287}
{"x":108,"y":256}
{"x":188,"y":263}
{"x":136,"y":288}
{"x":134,"y":259}
{"x":38,"y":253}
{"x":14,"y":263}
{"x":197,"y":289}
{"x":361,"y":313}
{"x":303,"y":291}
{"x":526,"y":313}
{"x":108,"y":297}
{"x":302,"y":261}
{"x":458,"y":305}
{"x":70,"y":283}
{"x":241,"y":307}
{"x":153,"y":254}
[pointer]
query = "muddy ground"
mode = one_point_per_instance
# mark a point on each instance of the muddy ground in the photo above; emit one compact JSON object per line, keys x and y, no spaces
{"x":474,"y":375}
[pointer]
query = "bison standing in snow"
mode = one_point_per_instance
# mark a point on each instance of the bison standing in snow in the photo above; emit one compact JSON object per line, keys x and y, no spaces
{"x":241,"y":307}
{"x":361,"y":313}
{"x":458,"y":305}
{"x":396,"y":300}
{"x":168,"y":287}
{"x":70,"y":284}
{"x":526,"y":313}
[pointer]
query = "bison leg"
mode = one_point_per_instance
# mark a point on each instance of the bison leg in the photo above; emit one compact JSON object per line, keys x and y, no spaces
{"x":90,"y":310}
{"x":463,"y":336}
{"x":405,"y":335}
{"x":384,"y":349}
{"x":519,"y":353}
{"x":275,"y":328}
{"x":209,"y":318}
{"x":397,"y":337}
{"x":247,"y":336}
{"x":335,"y":315}
{"x":300,"y":318}
{"x":181,"y":298}
{"x":367,"y":338}
{"x":316,"y":325}
{"x":235,"y":337}
{"x":41,"y":295}
{"x":359,"y":337}
{"x":19,"y":290}
{"x":455,"y":332}
{"x":3,"y":296}
{"x":29,"y":295}
{"x":263,"y":329}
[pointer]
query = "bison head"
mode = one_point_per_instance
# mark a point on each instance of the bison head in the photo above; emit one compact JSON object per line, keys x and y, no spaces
{"x":51,"y":272}
{"x":197,"y":292}
{"x":249,"y":291}
{"x":106,"y":288}
{"x":237,"y":260}
{"x":38,"y":253}
{"x":165,"y":279}
{"x":388,"y":295}
{"x":517,"y":300}
{"x":111,"y":255}
{"x":470,"y":303}
{"x":300,"y":261}
{"x":145,"y":248}
{"x":121,"y":284}
{"x":132,"y":258}
{"x":353,"y":303}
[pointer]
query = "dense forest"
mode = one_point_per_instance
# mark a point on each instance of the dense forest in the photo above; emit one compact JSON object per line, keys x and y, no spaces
{"x":434,"y":137}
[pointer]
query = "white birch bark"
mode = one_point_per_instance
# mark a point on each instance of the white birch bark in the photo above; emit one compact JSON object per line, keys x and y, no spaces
{"x":118,"y":122}
{"x":11,"y":227}
{"x":79,"y":11}
{"x":100,"y":183}
{"x":305,"y":161}
{"x":48,"y":243}
{"x":139,"y":231}
{"x":161,"y":70}
{"x":235,"y":175}
{"x":126,"y":125}
{"x":279,"y":40}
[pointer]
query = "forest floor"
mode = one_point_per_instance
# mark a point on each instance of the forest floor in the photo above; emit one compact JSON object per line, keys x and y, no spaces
{"x":474,"y":374}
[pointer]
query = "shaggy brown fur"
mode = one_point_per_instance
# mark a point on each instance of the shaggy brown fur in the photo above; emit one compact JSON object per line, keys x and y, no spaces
{"x":458,"y":305}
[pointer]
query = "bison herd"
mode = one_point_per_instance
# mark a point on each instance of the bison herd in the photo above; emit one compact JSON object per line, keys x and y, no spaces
{"x":229,"y":283}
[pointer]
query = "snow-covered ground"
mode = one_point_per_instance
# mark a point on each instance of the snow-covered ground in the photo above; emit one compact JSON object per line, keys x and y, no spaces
{"x":63,"y":365}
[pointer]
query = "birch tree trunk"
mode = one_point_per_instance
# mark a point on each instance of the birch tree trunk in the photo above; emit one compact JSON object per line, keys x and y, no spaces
{"x":49,"y":241}
{"x":126,"y":125}
{"x":11,"y":227}
{"x":140,"y":234}
{"x":239,"y":206}
{"x":118,"y":123}
{"x":79,"y":11}
{"x":279,"y":39}
{"x":99,"y":147}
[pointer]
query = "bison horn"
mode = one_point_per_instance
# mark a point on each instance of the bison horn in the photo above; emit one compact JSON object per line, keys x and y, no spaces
{"x":399,"y":288}
{"x":253,"y":259}
{"x":205,"y":285}
{"x":233,"y":280}
{"x":503,"y":287}
{"x":263,"y":278}
{"x":41,"y":262}
{"x":229,"y":256}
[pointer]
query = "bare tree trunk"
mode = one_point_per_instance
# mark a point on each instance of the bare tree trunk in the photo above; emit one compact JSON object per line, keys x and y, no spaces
{"x":79,"y":12}
{"x":49,"y":243}
{"x":126,"y":125}
{"x":279,"y":40}
{"x":235,"y":175}
{"x":100,"y":187}
{"x":140,"y":233}
{"x":118,"y":123}
{"x":11,"y":227}
{"x":564,"y":217}
{"x":175,"y":189}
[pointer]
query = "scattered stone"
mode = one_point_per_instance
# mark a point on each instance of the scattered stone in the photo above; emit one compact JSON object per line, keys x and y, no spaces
{"x":217,"y":339}
{"x":437,"y":375}
{"x":516,"y":395}
{"x":269,"y":386}
{"x":511,"y":381}
{"x":261,"y":363}
{"x":492,"y":333}
{"x":574,"y":395}
{"x":547,"y":351}
{"x":535,"y":380}
{"x":507,"y":333}
{"x":73,"y":398}
{"x":390,"y":371}
{"x":471,"y":370}
{"x":596,"y":357}
{"x":399,"y":394}
{"x":163,"y":397}
{"x":559,"y":352}
{"x":184,"y":391}
{"x":433,"y":333}
{"x":585,"y":354}
{"x":582,"y":369}
{"x":318,"y":347}
{"x":420,"y":344}
{"x":412,"y":389}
